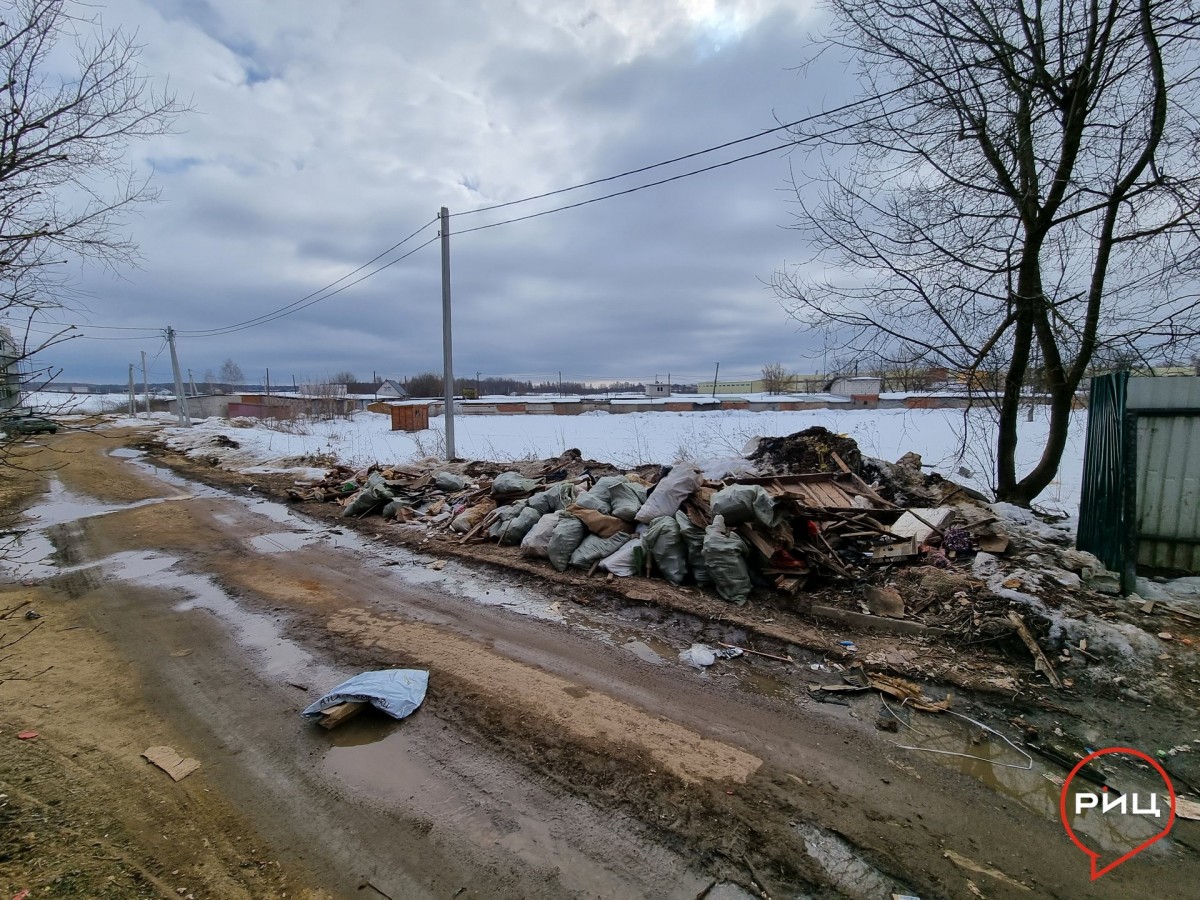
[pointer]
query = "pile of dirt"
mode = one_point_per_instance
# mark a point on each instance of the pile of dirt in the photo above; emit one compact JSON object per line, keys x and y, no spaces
{"x":810,"y":450}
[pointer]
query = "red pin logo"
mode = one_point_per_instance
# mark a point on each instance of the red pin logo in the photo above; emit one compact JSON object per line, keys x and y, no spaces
{"x":1122,"y":804}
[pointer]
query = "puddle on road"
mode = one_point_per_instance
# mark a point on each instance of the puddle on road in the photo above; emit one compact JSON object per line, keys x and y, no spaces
{"x":845,"y":869}
{"x":1028,"y":787}
{"x":282,"y":541}
{"x":275,"y":655}
{"x":60,"y":506}
{"x":764,"y":684}
{"x":642,"y":650}
{"x":27,"y":555}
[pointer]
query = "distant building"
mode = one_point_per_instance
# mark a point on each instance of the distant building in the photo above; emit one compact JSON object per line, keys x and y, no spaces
{"x":658,"y":389}
{"x":10,"y":372}
{"x":391,"y":390}
{"x":863,"y":390}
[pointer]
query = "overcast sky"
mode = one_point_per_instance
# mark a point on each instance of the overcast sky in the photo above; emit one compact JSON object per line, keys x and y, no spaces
{"x":323,"y":132}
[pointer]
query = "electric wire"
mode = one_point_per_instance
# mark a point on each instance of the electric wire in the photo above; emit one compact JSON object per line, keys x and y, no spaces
{"x":271,"y":316}
{"x":874,"y":98}
{"x":287,"y":311}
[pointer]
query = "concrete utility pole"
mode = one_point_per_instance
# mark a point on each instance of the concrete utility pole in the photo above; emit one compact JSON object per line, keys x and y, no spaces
{"x":268,"y":382}
{"x":132,"y":404}
{"x":180,"y":397}
{"x":192,"y":382}
{"x":447,"y":345}
{"x":715,"y":374}
{"x":146,"y":384}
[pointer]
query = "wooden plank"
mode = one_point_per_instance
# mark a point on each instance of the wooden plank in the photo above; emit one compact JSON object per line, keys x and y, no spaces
{"x":862,"y":620}
{"x":336,"y":715}
{"x":1040,"y":661}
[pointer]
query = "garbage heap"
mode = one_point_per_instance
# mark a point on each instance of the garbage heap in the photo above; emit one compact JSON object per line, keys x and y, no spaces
{"x":782,"y":529}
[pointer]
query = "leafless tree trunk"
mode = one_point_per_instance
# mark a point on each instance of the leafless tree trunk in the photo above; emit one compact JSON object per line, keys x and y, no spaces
{"x":1025,"y":176}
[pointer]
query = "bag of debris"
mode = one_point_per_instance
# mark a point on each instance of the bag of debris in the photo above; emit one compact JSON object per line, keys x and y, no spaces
{"x":373,"y":496}
{"x":595,"y":548}
{"x":597,"y":522}
{"x":397,"y":509}
{"x":725,"y":557}
{"x":554,"y":499}
{"x":518,"y":526}
{"x":469,"y":518}
{"x":693,"y":541}
{"x":666,"y":548}
{"x":626,"y":499}
{"x":537,"y":542}
{"x":602,"y":489}
{"x":568,"y":535}
{"x":502,"y":517}
{"x":589,"y":500}
{"x":449,"y":482}
{"x":629,"y":560}
{"x":740,"y":503}
{"x":672,"y":489}
{"x":513,"y":484}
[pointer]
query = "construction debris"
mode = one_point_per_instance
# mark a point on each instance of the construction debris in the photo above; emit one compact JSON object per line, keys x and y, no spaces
{"x":171,"y":762}
{"x":832,"y":534}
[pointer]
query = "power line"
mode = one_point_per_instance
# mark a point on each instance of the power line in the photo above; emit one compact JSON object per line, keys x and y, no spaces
{"x":287,"y":310}
{"x":874,"y":98}
{"x":297,"y":305}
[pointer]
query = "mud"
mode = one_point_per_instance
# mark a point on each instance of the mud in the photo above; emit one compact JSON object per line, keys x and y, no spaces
{"x":563,"y":749}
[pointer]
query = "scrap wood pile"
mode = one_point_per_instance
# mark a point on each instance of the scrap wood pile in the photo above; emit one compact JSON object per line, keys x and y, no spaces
{"x":788,"y":529}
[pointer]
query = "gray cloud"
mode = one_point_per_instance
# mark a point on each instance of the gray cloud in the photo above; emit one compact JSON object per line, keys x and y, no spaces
{"x":323,"y":136}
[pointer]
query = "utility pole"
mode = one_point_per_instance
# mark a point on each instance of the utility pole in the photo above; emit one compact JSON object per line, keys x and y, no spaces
{"x":447,"y":345}
{"x":180,"y":396}
{"x":478,"y":395}
{"x":268,"y":382}
{"x":715,"y":374}
{"x":560,"y":382}
{"x":146,"y":384}
{"x":132,"y":404}
{"x":192,"y":382}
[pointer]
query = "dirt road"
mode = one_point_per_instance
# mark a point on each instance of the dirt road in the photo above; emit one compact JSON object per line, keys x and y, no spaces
{"x":562,"y":750}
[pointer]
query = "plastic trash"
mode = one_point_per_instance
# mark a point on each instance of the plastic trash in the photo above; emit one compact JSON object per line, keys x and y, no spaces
{"x":449,"y":482}
{"x":693,"y":542}
{"x":373,"y":496}
{"x":512,"y":484}
{"x":740,"y":503}
{"x":670,"y":492}
{"x":629,"y":560}
{"x":518,"y":526}
{"x":595,"y":548}
{"x":626,"y":498}
{"x":725,"y":557}
{"x":568,"y":535}
{"x":554,"y":499}
{"x":702,"y":655}
{"x":536,"y":543}
{"x":666,"y":548}
{"x":398,"y":692}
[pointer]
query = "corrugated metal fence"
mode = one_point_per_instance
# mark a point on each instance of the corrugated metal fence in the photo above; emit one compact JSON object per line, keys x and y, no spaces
{"x":1141,"y":478}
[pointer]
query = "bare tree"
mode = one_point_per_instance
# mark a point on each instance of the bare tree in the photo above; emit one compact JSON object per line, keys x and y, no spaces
{"x":230,"y":375}
{"x":776,"y":379}
{"x":1020,"y":175}
{"x":344,"y":377}
{"x":72,"y":101}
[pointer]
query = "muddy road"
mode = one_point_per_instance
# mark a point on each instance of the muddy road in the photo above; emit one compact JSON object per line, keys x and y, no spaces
{"x":562,"y":751}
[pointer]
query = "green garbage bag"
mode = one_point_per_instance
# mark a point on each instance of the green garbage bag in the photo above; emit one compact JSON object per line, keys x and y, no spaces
{"x":666,"y":548}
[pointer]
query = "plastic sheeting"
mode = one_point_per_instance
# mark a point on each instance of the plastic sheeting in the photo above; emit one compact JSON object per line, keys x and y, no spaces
{"x":398,"y":692}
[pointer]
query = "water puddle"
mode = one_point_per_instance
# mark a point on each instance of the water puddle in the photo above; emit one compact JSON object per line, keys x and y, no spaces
{"x":845,"y":869}
{"x":1030,"y":782}
{"x":761,"y":683}
{"x":60,"y":506}
{"x":27,"y":555}
{"x":275,"y":655}
{"x":643,"y":651}
{"x":282,"y":541}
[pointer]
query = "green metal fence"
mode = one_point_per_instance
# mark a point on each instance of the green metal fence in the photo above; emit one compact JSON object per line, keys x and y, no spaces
{"x":1106,"y":509}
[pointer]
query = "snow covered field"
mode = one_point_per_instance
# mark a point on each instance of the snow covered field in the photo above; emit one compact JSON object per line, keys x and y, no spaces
{"x":630,"y":439}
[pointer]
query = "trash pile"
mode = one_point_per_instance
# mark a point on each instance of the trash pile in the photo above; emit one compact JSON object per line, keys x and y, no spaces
{"x":815,"y":520}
